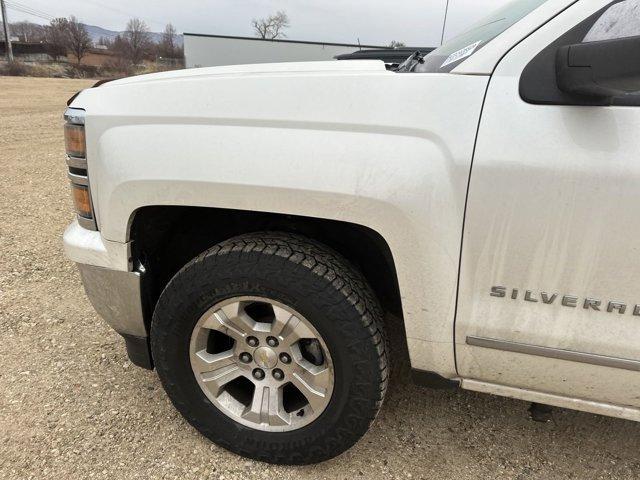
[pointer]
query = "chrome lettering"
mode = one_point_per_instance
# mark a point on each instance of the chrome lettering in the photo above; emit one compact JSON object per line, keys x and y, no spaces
{"x":571,"y":301}
{"x":621,"y":307}
{"x":498,"y":291}
{"x":546,"y":298}
{"x":592,"y":303}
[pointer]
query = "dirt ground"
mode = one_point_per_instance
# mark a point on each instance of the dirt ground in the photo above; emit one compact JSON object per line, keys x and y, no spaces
{"x":72,"y":406}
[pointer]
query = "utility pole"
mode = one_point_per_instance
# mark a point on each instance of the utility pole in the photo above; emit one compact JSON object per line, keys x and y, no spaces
{"x":7,"y":36}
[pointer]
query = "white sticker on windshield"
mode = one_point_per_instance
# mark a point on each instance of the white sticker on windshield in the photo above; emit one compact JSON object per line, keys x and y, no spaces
{"x":460,"y":54}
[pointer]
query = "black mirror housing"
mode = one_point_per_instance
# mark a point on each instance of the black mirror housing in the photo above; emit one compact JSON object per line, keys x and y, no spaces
{"x":604,"y":69}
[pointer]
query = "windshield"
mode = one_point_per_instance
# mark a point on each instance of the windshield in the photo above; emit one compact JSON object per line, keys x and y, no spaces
{"x":452,"y":52}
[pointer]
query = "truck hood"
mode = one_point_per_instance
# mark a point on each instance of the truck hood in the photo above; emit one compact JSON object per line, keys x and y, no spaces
{"x":332,"y":66}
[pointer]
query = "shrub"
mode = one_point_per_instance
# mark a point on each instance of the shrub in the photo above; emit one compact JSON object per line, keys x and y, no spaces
{"x":15,"y":69}
{"x":20,"y":69}
{"x":81,"y":71}
{"x":119,"y":66}
{"x":115,"y":69}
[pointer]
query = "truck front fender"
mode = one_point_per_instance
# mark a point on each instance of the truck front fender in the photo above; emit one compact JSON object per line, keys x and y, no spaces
{"x":396,"y":163}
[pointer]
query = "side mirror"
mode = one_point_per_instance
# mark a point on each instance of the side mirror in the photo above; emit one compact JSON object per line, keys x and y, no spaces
{"x":605,"y":69}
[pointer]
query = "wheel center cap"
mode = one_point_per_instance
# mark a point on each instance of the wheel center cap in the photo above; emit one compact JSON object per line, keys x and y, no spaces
{"x":265,"y":357}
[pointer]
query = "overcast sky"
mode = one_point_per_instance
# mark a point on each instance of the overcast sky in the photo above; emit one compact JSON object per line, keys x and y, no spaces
{"x":375,"y":22}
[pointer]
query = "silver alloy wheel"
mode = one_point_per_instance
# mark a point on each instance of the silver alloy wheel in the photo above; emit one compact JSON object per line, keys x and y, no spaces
{"x":267,"y":367}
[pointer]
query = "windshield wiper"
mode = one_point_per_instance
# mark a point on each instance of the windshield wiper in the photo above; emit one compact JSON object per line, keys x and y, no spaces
{"x":410,"y":63}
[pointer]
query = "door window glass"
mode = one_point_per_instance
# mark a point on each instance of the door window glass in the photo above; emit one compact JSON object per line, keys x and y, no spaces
{"x":620,"y":20}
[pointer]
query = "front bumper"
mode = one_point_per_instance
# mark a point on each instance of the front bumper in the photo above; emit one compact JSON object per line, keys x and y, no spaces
{"x":115,"y":293}
{"x":117,"y":297}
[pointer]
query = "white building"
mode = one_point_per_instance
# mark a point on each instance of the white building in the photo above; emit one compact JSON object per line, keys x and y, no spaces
{"x":212,"y":50}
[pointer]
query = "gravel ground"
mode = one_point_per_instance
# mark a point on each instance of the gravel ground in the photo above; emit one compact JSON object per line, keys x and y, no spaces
{"x":72,"y":406}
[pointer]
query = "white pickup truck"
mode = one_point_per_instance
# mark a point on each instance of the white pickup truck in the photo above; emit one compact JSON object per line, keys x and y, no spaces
{"x":250,"y":229}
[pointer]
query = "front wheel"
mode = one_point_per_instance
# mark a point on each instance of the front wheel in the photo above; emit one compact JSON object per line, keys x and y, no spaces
{"x":271,"y":345}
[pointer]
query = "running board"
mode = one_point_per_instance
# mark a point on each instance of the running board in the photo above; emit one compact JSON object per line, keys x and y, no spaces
{"x":600,"y":408}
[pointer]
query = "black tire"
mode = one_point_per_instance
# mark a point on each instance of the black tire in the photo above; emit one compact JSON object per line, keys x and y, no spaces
{"x":311,"y":279}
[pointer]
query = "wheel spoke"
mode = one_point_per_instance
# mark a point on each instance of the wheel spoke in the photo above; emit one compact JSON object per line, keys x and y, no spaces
{"x":204,"y":362}
{"x":216,"y":370}
{"x":216,"y":380}
{"x":266,"y":407}
{"x":293,"y":330}
{"x":281,"y":320}
{"x":312,"y":381}
{"x":231,"y":320}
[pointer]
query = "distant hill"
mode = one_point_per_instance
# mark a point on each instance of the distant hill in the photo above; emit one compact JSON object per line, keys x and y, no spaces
{"x":96,"y":32}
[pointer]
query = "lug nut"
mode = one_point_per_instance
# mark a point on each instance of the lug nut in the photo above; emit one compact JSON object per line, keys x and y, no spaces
{"x":272,"y":341}
{"x":245,"y":357}
{"x":278,"y":374}
{"x":285,"y":358}
{"x":258,"y":373}
{"x":252,"y":341}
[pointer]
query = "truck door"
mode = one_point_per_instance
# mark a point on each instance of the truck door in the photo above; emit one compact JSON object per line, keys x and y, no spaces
{"x":550,"y":278}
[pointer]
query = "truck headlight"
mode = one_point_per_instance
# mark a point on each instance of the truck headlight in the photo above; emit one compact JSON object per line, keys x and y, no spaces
{"x":82,"y":200}
{"x":74,"y":140}
{"x":76,"y":146}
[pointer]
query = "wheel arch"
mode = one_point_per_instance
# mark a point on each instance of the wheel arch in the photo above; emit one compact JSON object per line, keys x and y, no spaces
{"x":165,"y":238}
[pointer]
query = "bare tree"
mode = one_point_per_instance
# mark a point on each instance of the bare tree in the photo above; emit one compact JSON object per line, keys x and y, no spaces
{"x":119,"y":46}
{"x":78,"y":38}
{"x":168,"y":46}
{"x":136,"y":40}
{"x":272,"y":26}
{"x":57,"y":37}
{"x":396,"y":44}
{"x":28,"y":31}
